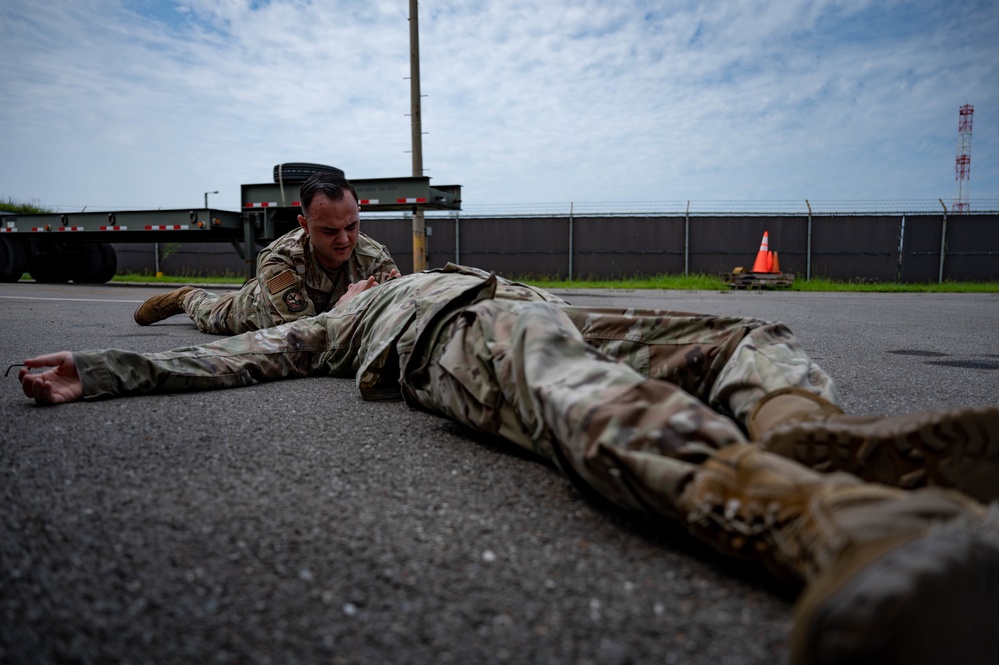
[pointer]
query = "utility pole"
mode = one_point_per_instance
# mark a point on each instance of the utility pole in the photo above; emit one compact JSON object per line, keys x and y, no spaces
{"x":419,"y":224}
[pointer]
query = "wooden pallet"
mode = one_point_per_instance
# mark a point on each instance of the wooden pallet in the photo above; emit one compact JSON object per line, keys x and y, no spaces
{"x":758,"y":280}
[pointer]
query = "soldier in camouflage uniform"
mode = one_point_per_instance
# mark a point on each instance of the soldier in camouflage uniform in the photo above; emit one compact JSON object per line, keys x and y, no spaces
{"x":300,"y":274}
{"x":672,"y":414}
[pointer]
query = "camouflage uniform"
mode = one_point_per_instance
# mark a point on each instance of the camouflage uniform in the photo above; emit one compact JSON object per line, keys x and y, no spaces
{"x":562,"y":381}
{"x":647,"y":409}
{"x":290,"y":285}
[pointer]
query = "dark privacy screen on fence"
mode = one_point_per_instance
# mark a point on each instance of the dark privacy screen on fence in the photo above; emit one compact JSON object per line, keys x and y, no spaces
{"x":914,"y":248}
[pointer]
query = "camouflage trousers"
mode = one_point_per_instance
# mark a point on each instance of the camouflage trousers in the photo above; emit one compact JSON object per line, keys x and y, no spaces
{"x":626,"y":402}
{"x":230,"y":313}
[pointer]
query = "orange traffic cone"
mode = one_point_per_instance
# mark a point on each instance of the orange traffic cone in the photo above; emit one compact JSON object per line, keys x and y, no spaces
{"x":763,"y":259}
{"x":775,"y":266}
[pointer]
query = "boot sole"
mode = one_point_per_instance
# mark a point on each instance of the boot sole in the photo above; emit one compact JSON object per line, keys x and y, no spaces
{"x":951,"y":448}
{"x":932,"y":600}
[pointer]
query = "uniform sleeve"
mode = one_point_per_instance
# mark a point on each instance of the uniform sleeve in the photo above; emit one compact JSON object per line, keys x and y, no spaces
{"x":293,"y":350}
{"x":374,"y":258}
{"x":385,"y":265}
{"x":282,"y":289}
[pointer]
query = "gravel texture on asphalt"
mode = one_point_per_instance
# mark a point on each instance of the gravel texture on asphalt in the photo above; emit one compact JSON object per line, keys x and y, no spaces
{"x":296,"y":523}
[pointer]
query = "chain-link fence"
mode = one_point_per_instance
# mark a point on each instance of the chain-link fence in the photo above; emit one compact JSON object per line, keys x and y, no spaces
{"x":921,"y":247}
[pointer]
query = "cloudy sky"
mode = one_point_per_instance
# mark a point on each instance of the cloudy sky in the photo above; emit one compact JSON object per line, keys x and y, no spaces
{"x":144,"y":104}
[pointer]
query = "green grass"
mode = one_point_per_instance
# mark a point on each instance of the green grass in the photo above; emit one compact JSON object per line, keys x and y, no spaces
{"x":148,"y":277}
{"x":664,"y":282}
{"x":715,"y":283}
{"x":822,"y":284}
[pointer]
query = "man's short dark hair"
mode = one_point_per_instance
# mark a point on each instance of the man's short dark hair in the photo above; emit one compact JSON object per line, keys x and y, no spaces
{"x":329,"y":184}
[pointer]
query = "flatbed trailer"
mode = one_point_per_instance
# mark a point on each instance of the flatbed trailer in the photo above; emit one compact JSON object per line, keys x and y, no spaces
{"x":76,"y":246}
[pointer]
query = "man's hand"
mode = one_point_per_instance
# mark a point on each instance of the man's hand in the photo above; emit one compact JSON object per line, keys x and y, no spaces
{"x":355,"y":288}
{"x":391,"y":275}
{"x":55,"y":386}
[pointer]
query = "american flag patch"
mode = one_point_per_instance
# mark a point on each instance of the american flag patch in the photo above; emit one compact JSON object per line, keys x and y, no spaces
{"x":281,"y":281}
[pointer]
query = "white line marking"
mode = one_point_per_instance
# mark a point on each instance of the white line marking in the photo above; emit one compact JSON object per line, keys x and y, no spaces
{"x":66,"y":299}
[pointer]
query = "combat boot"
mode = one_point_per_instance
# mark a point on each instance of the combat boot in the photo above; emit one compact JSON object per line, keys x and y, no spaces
{"x":956,"y":448}
{"x":891,"y":576}
{"x":931,"y":599}
{"x":162,"y":306}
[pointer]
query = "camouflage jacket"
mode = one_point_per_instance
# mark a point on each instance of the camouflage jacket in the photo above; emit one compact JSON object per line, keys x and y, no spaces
{"x":375,"y":337}
{"x":291,"y":284}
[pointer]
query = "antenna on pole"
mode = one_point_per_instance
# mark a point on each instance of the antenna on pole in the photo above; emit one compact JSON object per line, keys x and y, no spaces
{"x":962,"y":164}
{"x":419,"y":224}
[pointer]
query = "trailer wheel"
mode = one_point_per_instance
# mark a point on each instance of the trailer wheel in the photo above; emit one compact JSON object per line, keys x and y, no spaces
{"x":295,"y":172}
{"x":48,"y":268}
{"x":96,"y":263}
{"x":109,"y":264}
{"x":13,"y":260}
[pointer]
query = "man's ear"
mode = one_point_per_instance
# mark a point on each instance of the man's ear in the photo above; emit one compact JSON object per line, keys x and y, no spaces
{"x":304,"y":224}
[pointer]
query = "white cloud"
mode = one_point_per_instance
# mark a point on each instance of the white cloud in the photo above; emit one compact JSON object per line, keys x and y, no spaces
{"x":143,"y":103}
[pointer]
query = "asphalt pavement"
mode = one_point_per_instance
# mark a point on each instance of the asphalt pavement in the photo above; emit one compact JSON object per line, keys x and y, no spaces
{"x":294,"y":522}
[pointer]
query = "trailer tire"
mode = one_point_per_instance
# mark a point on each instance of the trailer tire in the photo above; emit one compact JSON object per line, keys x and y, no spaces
{"x":48,"y":274}
{"x":295,"y":172}
{"x":109,"y":265}
{"x":13,"y":260}
{"x":48,"y":268}
{"x":97,"y":263}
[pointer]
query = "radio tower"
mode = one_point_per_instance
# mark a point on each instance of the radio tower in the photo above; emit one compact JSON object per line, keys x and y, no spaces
{"x":962,"y":165}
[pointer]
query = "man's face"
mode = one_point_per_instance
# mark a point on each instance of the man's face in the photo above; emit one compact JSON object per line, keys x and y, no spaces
{"x":332,"y":227}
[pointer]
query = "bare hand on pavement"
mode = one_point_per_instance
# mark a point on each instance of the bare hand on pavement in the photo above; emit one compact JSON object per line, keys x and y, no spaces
{"x":55,"y":386}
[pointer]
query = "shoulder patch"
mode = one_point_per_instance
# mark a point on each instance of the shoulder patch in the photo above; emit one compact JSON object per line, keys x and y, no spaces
{"x":282,"y":281}
{"x":295,"y":301}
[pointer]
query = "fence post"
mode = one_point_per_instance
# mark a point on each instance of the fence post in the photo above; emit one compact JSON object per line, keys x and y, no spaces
{"x":901,"y":250}
{"x":808,"y":245}
{"x":457,"y":238}
{"x":943,"y":241}
{"x":570,"y":241}
{"x":686,"y":242}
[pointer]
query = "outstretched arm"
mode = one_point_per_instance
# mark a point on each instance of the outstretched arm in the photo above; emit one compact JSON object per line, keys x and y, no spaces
{"x":54,"y":386}
{"x":292,"y":350}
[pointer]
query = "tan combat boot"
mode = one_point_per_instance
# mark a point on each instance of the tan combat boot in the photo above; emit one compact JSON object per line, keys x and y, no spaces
{"x":955,"y":448}
{"x":162,"y":306}
{"x":891,"y":576}
{"x":932,"y":599}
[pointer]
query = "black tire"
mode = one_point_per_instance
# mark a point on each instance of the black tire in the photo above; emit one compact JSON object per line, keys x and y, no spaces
{"x":85,"y":263}
{"x":295,"y":172}
{"x":13,"y":260}
{"x":49,"y":267}
{"x":48,"y":273}
{"x":110,"y":266}
{"x":95,"y":263}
